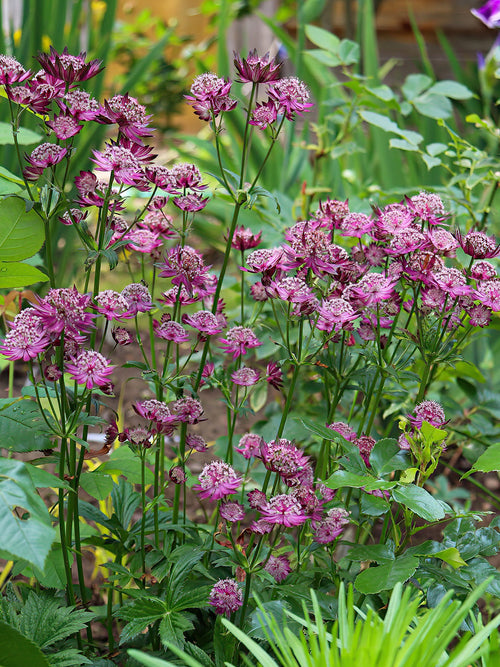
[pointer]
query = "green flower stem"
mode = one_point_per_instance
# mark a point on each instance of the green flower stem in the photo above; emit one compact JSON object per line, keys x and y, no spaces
{"x":143,"y":505}
{"x":246,"y":142}
{"x":288,"y":402}
{"x":182,"y":456}
{"x":70,"y":593}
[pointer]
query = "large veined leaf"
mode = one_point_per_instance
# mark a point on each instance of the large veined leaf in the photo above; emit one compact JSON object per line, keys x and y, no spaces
{"x":16,"y":649}
{"x":489,"y":461}
{"x":19,"y":274}
{"x":27,"y":538}
{"x":22,"y":428}
{"x":386,"y":576}
{"x":21,"y":231}
{"x":420,"y":501}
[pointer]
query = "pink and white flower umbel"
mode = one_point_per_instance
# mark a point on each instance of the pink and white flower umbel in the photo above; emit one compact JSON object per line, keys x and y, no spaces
{"x":255,"y":69}
{"x":43,"y":156}
{"x":291,"y":95}
{"x":331,"y":526}
{"x":218,"y":480}
{"x":238,"y":341}
{"x":68,"y":68}
{"x":210,"y":96}
{"x":226,"y":596}
{"x":90,"y":368}
{"x":11,"y":71}
{"x":429,"y":411}
{"x":283,"y":509}
{"x":27,"y":337}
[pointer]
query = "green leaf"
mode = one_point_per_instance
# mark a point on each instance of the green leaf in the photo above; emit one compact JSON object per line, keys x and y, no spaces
{"x":21,"y":232}
{"x":18,"y":274}
{"x":385,"y":577}
{"x":489,"y":461}
{"x":140,"y":614}
{"x":349,"y":52}
{"x":22,"y":428}
{"x":453,"y":89}
{"x":16,"y":649}
{"x":379,"y":553}
{"x":387,"y":456}
{"x":402,"y":145}
{"x":389,"y":125}
{"x":172,"y":628}
{"x":414,"y":85}
{"x":430,"y":161}
{"x":419,"y":501}
{"x":151,"y":661}
{"x":258,"y":397}
{"x":27,"y":538}
{"x":451,"y":556}
{"x":342,"y":478}
{"x":42,"y":479}
{"x":25,"y":137}
{"x":97,"y":484}
{"x":323,"y":38}
{"x":373,"y":505}
{"x":433,"y":106}
{"x":324,"y":57}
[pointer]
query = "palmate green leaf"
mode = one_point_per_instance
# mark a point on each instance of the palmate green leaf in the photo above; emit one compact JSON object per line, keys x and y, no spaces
{"x":16,"y":649}
{"x":28,"y":538}
{"x":139,"y":614}
{"x":21,"y":231}
{"x":22,"y":427}
{"x":386,"y":576}
{"x":192,"y":599}
{"x":173,"y":625}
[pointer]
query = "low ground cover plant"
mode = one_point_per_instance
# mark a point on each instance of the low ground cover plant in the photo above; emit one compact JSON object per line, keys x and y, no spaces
{"x":338,"y":326}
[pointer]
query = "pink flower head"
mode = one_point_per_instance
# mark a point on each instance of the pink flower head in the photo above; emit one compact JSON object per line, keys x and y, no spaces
{"x":185,"y":176}
{"x":126,"y":159}
{"x":392,"y":219}
{"x":45,"y":155}
{"x":264,"y":260}
{"x":274,"y":375}
{"x":73,"y":216}
{"x":26,"y":338}
{"x":65,"y":309}
{"x":332,"y":212}
{"x":121,"y":336}
{"x":68,"y":68}
{"x":283,"y":457}
{"x":90,"y":368}
{"x":158,"y":222}
{"x":196,"y":442}
{"x":244,"y":239}
{"x":429,"y":411}
{"x":217,"y":480}
{"x":111,"y":304}
{"x":283,"y":509}
{"x":187,"y":410}
{"x":478,"y":245}
{"x":138,"y":298}
{"x":210,"y":96}
{"x":428,"y":207}
{"x":191,"y":203}
{"x":226,"y":596}
{"x":365,"y":444}
{"x":452,"y":281}
{"x":331,"y":527}
{"x":255,"y":69}
{"x":278,"y":567}
{"x":373,"y":288}
{"x":170,"y":330}
{"x":238,"y":340}
{"x":128,"y":114}
{"x":335,"y":314}
{"x":64,"y":126}
{"x":256,"y":499}
{"x":232,"y":511}
{"x":483,"y":271}
{"x":344,"y":430}
{"x":186,"y":267}
{"x":490,"y":293}
{"x":177,"y":475}
{"x":264,"y":114}
{"x":142,"y":240}
{"x":356,"y":225}
{"x":11,"y":71}
{"x":250,"y":445}
{"x":291,"y":95}
{"x":479,"y":315}
{"x":79,"y":104}
{"x":310,"y":247}
{"x":153,"y":410}
{"x":245,"y":376}
{"x":489,"y":13}
{"x":204,"y":321}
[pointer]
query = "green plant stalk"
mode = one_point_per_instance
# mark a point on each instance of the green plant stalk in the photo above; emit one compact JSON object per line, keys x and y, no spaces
{"x":182,"y":456}
{"x":70,"y":593}
{"x":143,"y":505}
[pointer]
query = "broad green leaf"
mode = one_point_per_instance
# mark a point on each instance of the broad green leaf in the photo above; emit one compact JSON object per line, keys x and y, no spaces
{"x":324,"y":57}
{"x":19,"y":274}
{"x":419,"y":501}
{"x":385,"y":577}
{"x":22,"y":428}
{"x":27,"y":538}
{"x":141,"y":613}
{"x":379,"y":553}
{"x":402,"y":145}
{"x":414,"y":85}
{"x":323,"y":38}
{"x":349,"y":52}
{"x":25,"y":137}
{"x":387,"y":456}
{"x":433,"y":106}
{"x":451,"y":556}
{"x":258,"y":397}
{"x":431,"y":433}
{"x":311,"y":9}
{"x":489,"y":461}
{"x":453,"y":89}
{"x":21,"y":232}
{"x":16,"y":649}
{"x":389,"y":125}
{"x":342,"y":478}
{"x":430,"y":161}
{"x":42,"y":479}
{"x":97,"y":484}
{"x":173,"y":625}
{"x":436,"y":148}
{"x":373,"y":505}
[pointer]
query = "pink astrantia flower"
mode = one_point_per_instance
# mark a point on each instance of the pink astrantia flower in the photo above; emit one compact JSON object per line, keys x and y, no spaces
{"x":291,"y":95}
{"x":185,"y":176}
{"x":138,"y":298}
{"x":250,"y":445}
{"x":332,"y":212}
{"x":64,"y":126}
{"x":244,"y":238}
{"x":68,"y":68}
{"x":373,"y":288}
{"x":344,"y":430}
{"x":141,"y":240}
{"x":191,"y":202}
{"x":186,"y":267}
{"x":365,"y":444}
{"x":226,"y":596}
{"x":331,"y":526}
{"x":79,"y":104}
{"x":26,"y":338}
{"x":121,"y":336}
{"x":264,"y":115}
{"x":113,"y":305}
{"x":196,"y":442}
{"x":11,"y":71}
{"x":210,"y":96}
{"x":170,"y":330}
{"x":217,"y":480}
{"x":482,"y":271}
{"x":356,"y":225}
{"x":232,"y":511}
{"x":45,"y":155}
{"x":428,"y":207}
{"x":490,"y":293}
{"x":125,"y":158}
{"x":245,"y":376}
{"x":204,"y":321}
{"x":278,"y":567}
{"x":187,"y":410}
{"x":90,"y":368}
{"x":283,"y":509}
{"x":65,"y":309}
{"x":283,"y":457}
{"x":479,"y":315}
{"x":238,"y":341}
{"x":130,"y":116}
{"x":153,"y":410}
{"x":274,"y":375}
{"x":429,"y":411}
{"x":478,"y":244}
{"x":334,"y":314}
{"x":255,"y":69}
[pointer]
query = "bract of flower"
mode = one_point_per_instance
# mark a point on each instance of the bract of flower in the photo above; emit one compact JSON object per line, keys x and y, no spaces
{"x":274,"y":375}
{"x":334,"y":314}
{"x":283,"y":457}
{"x":170,"y":330}
{"x":238,"y":341}
{"x":392,"y":219}
{"x":43,"y":156}
{"x":478,"y":245}
{"x":142,"y":240}
{"x":244,"y":239}
{"x":64,"y":126}
{"x":430,"y":411}
{"x":79,"y":104}
{"x":452,"y":281}
{"x":69,"y":68}
{"x":196,"y":442}
{"x":332,"y":212}
{"x":226,"y":596}
{"x":187,"y":410}
{"x":255,"y":69}
{"x":179,"y":295}
{"x":73,"y":217}
{"x":278,"y":567}
{"x":365,"y":444}
{"x":327,"y":530}
{"x":26,"y":338}
{"x":204,"y":321}
{"x":245,"y":376}
{"x":489,"y":291}
{"x":344,"y":430}
{"x":428,"y":207}
{"x":121,"y":336}
{"x":373,"y":288}
{"x":217,"y":480}
{"x":489,"y":13}
{"x":177,"y":475}
{"x":185,"y":266}
{"x":90,"y":368}
{"x":210,"y":96}
{"x":283,"y":509}
{"x":158,"y":175}
{"x":232,"y":511}
{"x":292,"y":95}
{"x":482,"y":271}
{"x":65,"y":309}
{"x":191,"y":203}
{"x":112,"y":305}
{"x":256,"y":499}
{"x":11,"y":71}
{"x":126,"y":159}
{"x":356,"y":225}
{"x":250,"y":445}
{"x":138,"y":298}
{"x":479,"y":315}
{"x":130,"y":116}
{"x":264,"y":114}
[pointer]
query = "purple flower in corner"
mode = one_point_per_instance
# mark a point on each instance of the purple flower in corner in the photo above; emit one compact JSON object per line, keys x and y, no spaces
{"x":489,"y":13}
